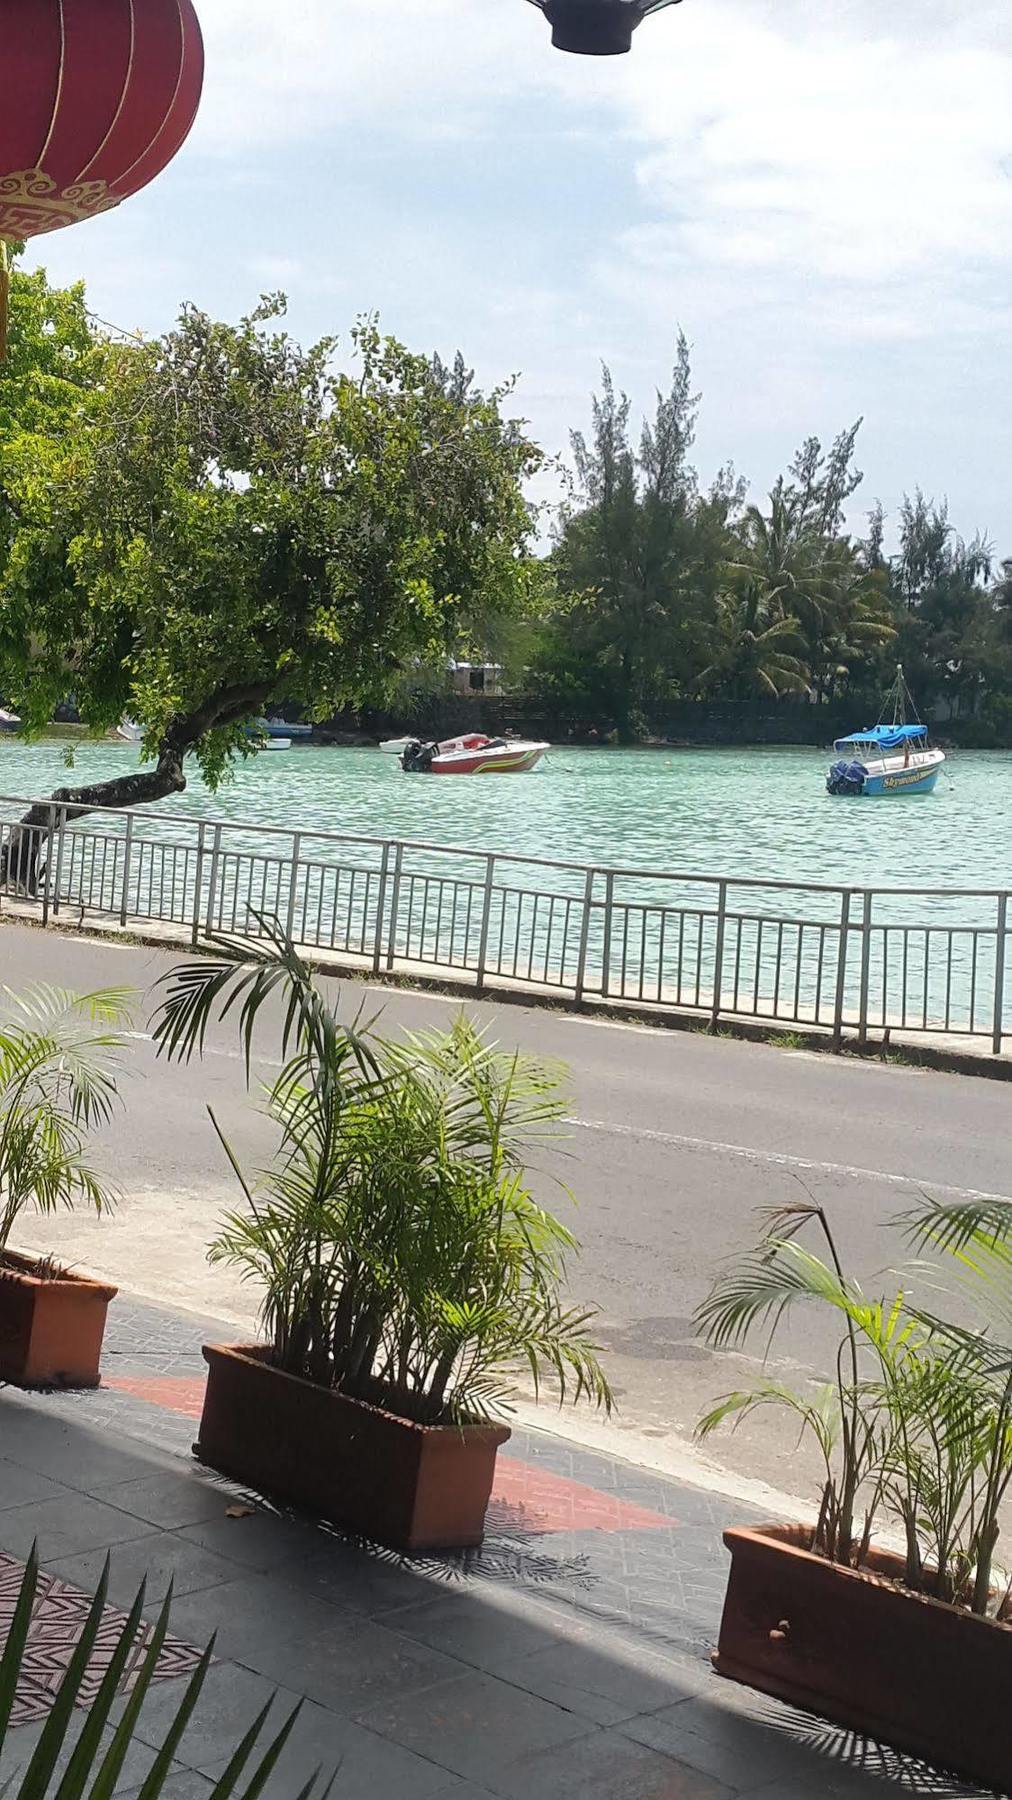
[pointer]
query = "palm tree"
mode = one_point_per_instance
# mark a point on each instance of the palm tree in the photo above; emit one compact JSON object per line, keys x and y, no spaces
{"x":854,"y":624}
{"x":59,"y":1062}
{"x":758,"y":654}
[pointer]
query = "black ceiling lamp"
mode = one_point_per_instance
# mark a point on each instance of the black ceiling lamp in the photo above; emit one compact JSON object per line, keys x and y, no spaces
{"x":596,"y":27}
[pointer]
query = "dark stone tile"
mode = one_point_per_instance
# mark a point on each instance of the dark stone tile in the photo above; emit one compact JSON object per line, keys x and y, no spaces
{"x":156,"y":1559}
{"x":473,"y":1725}
{"x":363,"y":1578}
{"x":24,"y":1487}
{"x":463,"y":1790}
{"x":351,"y":1665}
{"x":17,"y":1750}
{"x":262,"y":1540}
{"x":43,"y":1438}
{"x":184,"y":1784}
{"x":229,"y":1701}
{"x":727,"y":1744}
{"x":485,"y":1629}
{"x":603,"y":1682}
{"x":368,"y":1767}
{"x":249,"y":1613}
{"x":606,"y":1766}
{"x":168,"y":1499}
{"x":65,"y":1526}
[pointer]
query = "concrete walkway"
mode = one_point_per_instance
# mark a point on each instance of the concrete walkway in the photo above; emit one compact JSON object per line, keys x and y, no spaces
{"x":565,"y":1660}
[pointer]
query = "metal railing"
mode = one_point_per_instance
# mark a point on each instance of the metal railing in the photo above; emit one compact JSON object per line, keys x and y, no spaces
{"x":850,"y":959}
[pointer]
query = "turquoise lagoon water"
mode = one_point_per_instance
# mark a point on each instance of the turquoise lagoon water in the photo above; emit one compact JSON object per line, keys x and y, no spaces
{"x":752,"y":812}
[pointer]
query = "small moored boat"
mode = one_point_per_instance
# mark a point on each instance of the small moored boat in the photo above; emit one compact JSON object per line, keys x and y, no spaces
{"x":473,"y":754}
{"x":130,"y":731}
{"x":281,"y":729}
{"x":887,"y":759}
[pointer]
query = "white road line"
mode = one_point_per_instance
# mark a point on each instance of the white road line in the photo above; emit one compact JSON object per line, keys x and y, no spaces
{"x":781,"y":1160}
{"x":778,"y":1159}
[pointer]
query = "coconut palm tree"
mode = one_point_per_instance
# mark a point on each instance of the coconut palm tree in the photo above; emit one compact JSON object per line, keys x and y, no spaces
{"x":758,"y":653}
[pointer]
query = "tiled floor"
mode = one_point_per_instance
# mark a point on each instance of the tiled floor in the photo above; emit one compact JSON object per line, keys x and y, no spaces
{"x":58,"y":1618}
{"x":567,"y":1659}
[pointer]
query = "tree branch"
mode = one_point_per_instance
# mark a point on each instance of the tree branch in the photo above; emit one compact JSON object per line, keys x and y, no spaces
{"x":19,"y":860}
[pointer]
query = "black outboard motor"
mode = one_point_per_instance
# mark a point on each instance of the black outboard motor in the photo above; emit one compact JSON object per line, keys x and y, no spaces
{"x":846,"y":778}
{"x":417,"y":758}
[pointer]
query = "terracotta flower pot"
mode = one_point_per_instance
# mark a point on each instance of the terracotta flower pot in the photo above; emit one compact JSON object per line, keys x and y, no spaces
{"x":415,"y":1487}
{"x":50,"y":1330}
{"x":862,"y":1650}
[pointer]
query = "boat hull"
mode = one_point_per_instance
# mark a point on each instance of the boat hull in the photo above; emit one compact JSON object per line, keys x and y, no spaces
{"x":904,"y":781}
{"x":489,"y":762}
{"x":883,"y":778}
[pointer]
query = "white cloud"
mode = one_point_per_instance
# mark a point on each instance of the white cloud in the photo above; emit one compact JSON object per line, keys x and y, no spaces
{"x":821,"y":194}
{"x":855,"y":143}
{"x":872,"y":149}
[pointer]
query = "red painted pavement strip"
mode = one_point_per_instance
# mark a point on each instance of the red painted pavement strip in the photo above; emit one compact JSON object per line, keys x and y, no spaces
{"x":523,"y":1495}
{"x":176,"y":1393}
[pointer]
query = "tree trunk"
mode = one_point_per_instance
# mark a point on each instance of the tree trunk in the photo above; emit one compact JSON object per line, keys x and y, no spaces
{"x":19,"y":859}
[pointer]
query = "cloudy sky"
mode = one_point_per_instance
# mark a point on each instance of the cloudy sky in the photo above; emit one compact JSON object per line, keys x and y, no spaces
{"x":819,"y":194}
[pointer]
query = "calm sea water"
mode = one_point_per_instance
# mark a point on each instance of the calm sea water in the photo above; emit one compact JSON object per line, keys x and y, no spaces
{"x":735,"y":812}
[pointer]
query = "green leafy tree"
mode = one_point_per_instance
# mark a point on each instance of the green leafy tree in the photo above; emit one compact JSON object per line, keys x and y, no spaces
{"x":226,"y":519}
{"x":52,"y":362}
{"x":942,"y":585}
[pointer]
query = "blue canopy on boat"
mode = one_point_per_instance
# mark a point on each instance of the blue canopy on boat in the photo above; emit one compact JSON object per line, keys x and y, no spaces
{"x":888,"y":737}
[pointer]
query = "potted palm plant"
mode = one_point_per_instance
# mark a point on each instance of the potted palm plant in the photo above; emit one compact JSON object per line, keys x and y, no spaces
{"x":59,"y":1056}
{"x":404,"y":1265}
{"x":912,"y":1646}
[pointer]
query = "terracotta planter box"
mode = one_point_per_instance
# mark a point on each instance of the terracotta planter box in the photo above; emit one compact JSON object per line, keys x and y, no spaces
{"x":859,"y":1649}
{"x":50,"y":1331}
{"x":415,"y":1487}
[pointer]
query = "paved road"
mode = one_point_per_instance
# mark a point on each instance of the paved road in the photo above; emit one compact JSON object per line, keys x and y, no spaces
{"x":676,"y":1140}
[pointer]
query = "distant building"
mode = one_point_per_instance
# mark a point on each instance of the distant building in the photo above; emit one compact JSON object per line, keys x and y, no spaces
{"x":477,"y":678}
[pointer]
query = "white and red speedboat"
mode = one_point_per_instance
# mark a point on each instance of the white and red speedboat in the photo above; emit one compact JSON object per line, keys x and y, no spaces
{"x":474,"y":754}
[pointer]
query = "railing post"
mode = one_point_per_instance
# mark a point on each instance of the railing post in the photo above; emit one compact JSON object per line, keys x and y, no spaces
{"x":609,"y":896}
{"x":862,"y":1020}
{"x":293,"y":885}
{"x":213,"y":880}
{"x":61,"y":832}
{"x":395,"y":902}
{"x":195,"y":926}
{"x":381,"y":907}
{"x":999,"y":974}
{"x":718,"y":954}
{"x":47,"y":884}
{"x":125,"y":891}
{"x":581,"y":961}
{"x":486,"y":913}
{"x":841,"y":969}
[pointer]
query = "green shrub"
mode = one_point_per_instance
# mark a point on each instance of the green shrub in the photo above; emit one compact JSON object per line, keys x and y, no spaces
{"x":399,"y":1251}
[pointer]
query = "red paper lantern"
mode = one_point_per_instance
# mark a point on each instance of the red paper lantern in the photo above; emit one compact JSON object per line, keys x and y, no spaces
{"x":96,"y":96}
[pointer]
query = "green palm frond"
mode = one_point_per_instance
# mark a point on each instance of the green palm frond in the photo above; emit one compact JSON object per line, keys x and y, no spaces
{"x":818,"y":1412}
{"x":60,"y":1064}
{"x":94,"y":1768}
{"x":759,"y":1288}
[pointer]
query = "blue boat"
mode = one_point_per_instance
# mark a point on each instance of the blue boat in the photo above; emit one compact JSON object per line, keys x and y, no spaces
{"x":885,"y":759}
